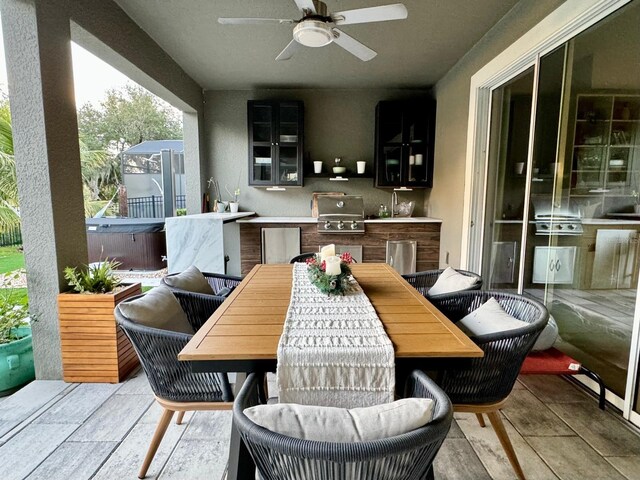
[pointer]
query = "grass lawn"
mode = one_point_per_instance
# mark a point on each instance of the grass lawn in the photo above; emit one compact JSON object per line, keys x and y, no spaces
{"x":10,"y":259}
{"x":17,"y":294}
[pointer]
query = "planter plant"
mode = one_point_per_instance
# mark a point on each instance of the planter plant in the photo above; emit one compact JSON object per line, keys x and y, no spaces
{"x":16,"y":348}
{"x":94,"y":348}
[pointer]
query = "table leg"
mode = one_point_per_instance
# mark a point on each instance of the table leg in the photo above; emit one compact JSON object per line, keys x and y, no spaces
{"x":241,"y":466}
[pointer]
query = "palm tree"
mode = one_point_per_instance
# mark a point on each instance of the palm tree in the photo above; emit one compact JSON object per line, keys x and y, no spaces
{"x":99,"y":170}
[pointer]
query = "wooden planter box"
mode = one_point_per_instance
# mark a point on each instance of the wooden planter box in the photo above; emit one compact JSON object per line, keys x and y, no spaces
{"x":94,"y":348}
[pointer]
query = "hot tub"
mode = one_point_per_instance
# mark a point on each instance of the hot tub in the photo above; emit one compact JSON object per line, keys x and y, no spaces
{"x":138,"y":243}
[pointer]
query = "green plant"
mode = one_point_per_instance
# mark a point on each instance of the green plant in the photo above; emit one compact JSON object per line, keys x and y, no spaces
{"x":96,"y":278}
{"x":14,"y":312}
{"x":181,"y":212}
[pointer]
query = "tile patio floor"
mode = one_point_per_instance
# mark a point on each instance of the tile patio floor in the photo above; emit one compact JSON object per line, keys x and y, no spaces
{"x":52,"y":430}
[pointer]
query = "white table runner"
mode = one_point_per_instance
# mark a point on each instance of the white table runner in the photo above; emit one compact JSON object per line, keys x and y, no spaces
{"x":333,"y":350}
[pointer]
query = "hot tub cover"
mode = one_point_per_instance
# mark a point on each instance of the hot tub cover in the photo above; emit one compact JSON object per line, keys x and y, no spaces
{"x":124,"y":225}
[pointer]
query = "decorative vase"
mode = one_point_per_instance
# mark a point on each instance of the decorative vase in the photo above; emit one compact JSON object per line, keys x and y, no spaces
{"x":233,"y":207}
{"x":221,"y":207}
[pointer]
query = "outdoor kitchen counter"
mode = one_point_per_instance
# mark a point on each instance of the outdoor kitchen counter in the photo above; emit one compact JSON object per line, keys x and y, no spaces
{"x":315,"y":220}
{"x":423,"y":230}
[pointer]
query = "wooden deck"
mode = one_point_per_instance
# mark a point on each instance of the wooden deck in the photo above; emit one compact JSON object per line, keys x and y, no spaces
{"x":54,"y":430}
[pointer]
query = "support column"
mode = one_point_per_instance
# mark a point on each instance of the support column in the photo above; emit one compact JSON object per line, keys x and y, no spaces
{"x":195,"y":172}
{"x":45,"y":135}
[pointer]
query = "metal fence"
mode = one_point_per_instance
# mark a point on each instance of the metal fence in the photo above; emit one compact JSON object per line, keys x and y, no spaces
{"x":151,"y":207}
{"x":11,"y":237}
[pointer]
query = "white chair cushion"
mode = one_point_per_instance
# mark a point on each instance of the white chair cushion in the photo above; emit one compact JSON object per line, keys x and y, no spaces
{"x":330,"y":424}
{"x":451,"y":281}
{"x":487,"y":319}
{"x":547,"y":337}
{"x":191,"y":280}
{"x":158,"y":308}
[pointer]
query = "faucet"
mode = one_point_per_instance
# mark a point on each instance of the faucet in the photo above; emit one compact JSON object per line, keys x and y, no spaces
{"x":394,"y":203}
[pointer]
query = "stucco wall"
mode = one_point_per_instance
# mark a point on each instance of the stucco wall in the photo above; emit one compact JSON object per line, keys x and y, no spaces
{"x":338,"y":123}
{"x":452,"y":94}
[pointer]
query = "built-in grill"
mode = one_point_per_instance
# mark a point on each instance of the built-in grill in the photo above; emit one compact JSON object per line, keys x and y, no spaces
{"x":340,"y":214}
{"x":558,"y":221}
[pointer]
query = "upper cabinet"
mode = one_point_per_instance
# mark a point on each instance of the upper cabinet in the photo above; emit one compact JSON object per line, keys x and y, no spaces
{"x":606,"y":146}
{"x":405,"y":132}
{"x":276,"y":142}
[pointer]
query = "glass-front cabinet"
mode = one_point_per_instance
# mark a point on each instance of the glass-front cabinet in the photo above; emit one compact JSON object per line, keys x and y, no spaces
{"x":276,"y":142}
{"x":404,"y":144}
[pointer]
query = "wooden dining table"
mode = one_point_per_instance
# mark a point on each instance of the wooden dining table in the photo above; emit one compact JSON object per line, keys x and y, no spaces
{"x":242,"y":335}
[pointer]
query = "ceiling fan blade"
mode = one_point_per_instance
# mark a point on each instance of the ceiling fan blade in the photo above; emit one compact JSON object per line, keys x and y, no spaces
{"x":353,"y":46}
{"x":383,"y":13}
{"x":289,"y":50}
{"x":306,"y":5}
{"x":255,"y":21}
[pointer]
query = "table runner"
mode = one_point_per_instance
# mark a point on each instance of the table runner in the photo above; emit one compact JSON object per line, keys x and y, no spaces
{"x":333,"y":350}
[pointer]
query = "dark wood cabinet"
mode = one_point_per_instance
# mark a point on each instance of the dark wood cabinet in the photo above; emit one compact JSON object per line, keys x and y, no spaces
{"x":276,"y":142}
{"x":405,"y":133}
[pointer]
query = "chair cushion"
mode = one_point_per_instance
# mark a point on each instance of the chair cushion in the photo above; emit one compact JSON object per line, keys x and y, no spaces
{"x":191,"y":280}
{"x":487,"y":319}
{"x":158,"y":308}
{"x":330,"y":424}
{"x":451,"y":281}
{"x":548,"y":336}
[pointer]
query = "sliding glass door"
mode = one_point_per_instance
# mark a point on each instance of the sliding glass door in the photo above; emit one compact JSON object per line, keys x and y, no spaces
{"x":562,"y":222}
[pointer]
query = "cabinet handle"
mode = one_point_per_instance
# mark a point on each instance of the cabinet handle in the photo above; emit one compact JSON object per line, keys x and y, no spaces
{"x":276,"y":144}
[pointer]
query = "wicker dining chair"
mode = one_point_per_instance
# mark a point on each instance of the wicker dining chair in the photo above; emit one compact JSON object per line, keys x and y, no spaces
{"x":482,"y":385}
{"x":423,"y":281}
{"x":221,"y":285}
{"x":176,"y":387}
{"x":406,"y":456}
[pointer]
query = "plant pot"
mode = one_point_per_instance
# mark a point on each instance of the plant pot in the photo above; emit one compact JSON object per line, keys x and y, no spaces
{"x":233,"y":207}
{"x":94,"y":348}
{"x":16,"y":362}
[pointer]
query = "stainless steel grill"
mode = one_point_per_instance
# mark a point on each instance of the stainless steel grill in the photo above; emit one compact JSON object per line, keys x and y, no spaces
{"x":561,"y":220}
{"x":340,"y":214}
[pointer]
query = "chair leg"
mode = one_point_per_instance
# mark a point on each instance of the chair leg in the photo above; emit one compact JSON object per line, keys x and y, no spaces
{"x":180,"y":417}
{"x":165,"y":419}
{"x":481,"y":420}
{"x":498,"y":426}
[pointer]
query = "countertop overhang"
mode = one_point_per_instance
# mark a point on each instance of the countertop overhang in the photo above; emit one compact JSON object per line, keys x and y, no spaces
{"x":225,"y":217}
{"x":315,"y":220}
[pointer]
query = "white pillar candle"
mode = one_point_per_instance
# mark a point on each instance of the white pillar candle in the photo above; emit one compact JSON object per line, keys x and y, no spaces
{"x":332,"y":266}
{"x":327,"y":251}
{"x":419,"y":159}
{"x":412,"y":160}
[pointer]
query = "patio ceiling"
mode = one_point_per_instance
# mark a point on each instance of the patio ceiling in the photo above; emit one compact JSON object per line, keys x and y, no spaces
{"x":412,"y":53}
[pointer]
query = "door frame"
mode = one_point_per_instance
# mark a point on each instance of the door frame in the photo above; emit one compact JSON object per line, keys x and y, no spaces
{"x":561,"y":25}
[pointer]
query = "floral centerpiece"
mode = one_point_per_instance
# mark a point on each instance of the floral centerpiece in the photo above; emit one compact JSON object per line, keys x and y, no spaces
{"x":331,"y":274}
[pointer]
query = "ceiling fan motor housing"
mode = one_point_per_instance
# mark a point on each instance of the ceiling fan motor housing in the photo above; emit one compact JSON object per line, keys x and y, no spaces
{"x":313,"y":33}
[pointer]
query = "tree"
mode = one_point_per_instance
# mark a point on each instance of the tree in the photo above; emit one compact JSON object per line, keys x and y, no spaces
{"x":126,"y":117}
{"x":96,"y":170}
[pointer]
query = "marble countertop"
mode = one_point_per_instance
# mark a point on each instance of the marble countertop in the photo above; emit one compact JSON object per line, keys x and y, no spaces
{"x":315,"y":220}
{"x":225,"y":217}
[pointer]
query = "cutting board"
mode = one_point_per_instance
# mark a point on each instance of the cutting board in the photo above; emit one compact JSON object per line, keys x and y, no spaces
{"x":314,"y":201}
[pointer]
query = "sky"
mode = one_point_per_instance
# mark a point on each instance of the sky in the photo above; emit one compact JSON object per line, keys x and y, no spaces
{"x":92,"y":76}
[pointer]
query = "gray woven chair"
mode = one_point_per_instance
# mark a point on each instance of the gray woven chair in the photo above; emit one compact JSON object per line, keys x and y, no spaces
{"x":406,"y":456}
{"x":423,"y":281}
{"x":198,"y":306}
{"x":222,"y":285}
{"x":176,"y":387}
{"x":482,"y":385}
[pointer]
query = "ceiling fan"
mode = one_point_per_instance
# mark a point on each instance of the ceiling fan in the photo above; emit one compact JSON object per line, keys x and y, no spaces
{"x":316,"y":28}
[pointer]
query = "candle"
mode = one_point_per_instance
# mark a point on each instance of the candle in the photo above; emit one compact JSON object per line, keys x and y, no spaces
{"x":327,"y":251}
{"x":419,"y":159}
{"x":332,"y":265}
{"x":412,"y":159}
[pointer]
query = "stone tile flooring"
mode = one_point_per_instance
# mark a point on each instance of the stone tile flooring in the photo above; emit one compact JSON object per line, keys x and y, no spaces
{"x":53,"y":430}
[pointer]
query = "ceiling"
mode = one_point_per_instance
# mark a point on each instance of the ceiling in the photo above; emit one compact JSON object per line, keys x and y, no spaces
{"x":412,"y":53}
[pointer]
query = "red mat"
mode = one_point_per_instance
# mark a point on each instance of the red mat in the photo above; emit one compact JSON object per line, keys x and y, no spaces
{"x":550,"y":362}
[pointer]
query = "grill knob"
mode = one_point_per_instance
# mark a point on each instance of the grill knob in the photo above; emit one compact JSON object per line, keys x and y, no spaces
{"x":340,"y":225}
{"x":327,"y":225}
{"x":571,"y":227}
{"x":354,"y":225}
{"x":560,"y":227}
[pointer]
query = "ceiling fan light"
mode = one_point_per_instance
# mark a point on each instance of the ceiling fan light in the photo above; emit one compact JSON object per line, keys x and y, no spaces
{"x":313,"y":33}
